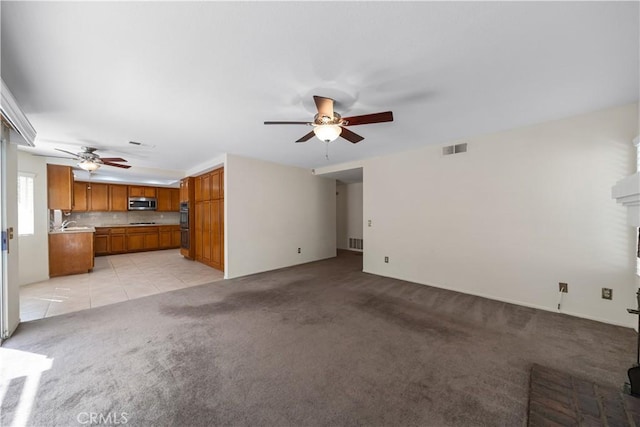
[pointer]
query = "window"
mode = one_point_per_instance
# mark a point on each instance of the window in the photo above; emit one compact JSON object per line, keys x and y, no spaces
{"x":26,"y":216}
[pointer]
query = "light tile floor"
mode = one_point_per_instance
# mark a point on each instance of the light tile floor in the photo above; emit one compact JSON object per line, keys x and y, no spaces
{"x":115,"y":278}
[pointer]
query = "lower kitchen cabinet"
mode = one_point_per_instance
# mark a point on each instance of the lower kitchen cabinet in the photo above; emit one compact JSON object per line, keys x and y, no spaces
{"x":151,"y":241}
{"x":70,"y":253}
{"x":135,"y":242}
{"x":175,"y":237}
{"x":165,"y":237}
{"x":101,"y":243}
{"x":115,"y":240}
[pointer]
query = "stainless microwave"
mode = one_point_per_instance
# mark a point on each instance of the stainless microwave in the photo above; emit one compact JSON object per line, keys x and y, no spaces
{"x":142,"y":203}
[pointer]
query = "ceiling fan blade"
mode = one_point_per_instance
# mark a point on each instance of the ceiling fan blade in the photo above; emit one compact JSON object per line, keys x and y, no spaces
{"x":365,"y":119}
{"x":324,"y":106}
{"x":287,"y":123}
{"x":307,"y":137}
{"x":351,"y":136}
{"x":75,"y":155}
{"x":116,"y":165}
{"x":112,"y":159}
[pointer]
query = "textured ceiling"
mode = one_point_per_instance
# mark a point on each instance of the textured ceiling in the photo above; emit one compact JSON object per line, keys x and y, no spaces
{"x":193,"y":80}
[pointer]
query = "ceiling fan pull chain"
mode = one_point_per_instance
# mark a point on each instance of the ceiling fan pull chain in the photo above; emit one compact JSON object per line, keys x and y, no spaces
{"x":327,"y":152}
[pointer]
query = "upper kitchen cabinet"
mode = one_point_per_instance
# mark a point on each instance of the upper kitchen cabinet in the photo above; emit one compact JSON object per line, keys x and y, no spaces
{"x":139,"y":191}
{"x":222,"y":183}
{"x":60,"y":187}
{"x":89,"y":196}
{"x":186,"y":189}
{"x":80,"y":197}
{"x":168,"y":200}
{"x":118,"y":198}
{"x":202,"y":187}
{"x":99,"y":197}
{"x":215,"y":184}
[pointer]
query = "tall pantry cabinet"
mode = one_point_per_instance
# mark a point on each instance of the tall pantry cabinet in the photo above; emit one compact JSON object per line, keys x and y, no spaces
{"x":209,"y":218}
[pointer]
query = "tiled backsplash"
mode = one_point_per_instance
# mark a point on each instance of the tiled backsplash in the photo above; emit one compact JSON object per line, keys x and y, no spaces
{"x":97,"y":219}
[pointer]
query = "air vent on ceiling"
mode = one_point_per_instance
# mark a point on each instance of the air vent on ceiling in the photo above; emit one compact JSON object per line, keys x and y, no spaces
{"x":141,"y":144}
{"x":454,"y":149}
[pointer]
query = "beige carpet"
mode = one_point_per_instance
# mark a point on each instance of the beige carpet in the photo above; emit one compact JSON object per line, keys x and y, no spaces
{"x":317,"y":344}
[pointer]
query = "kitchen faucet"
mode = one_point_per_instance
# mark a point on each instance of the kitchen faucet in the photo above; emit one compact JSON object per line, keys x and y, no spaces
{"x":66,"y":223}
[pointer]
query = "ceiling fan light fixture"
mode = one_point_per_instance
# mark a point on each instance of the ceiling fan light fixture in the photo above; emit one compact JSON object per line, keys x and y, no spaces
{"x":89,"y":165}
{"x":327,"y":133}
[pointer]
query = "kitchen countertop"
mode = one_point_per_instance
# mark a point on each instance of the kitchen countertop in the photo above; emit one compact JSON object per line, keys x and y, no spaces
{"x":133,"y":225}
{"x":74,"y":230}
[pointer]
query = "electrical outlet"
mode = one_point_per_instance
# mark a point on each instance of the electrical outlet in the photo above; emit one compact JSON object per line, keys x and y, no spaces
{"x":299,"y":251}
{"x":369,"y":223}
{"x":607,"y":293}
{"x":386,"y":259}
{"x":563,"y":287}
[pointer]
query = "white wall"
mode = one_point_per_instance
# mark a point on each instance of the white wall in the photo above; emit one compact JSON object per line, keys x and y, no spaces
{"x":349,"y":213}
{"x":271,"y":211}
{"x":34,"y":250}
{"x":519,"y":212}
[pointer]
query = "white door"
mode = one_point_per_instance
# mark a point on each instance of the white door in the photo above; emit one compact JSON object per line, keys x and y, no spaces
{"x":9,"y":290}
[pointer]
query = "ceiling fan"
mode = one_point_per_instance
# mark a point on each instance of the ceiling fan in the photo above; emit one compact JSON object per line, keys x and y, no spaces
{"x":329,"y":125}
{"x":90,"y":161}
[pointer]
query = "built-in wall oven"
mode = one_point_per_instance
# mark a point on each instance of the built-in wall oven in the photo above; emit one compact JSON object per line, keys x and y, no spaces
{"x":184,"y":225}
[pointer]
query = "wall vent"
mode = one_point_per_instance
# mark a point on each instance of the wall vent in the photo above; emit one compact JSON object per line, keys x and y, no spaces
{"x":454,"y":149}
{"x":355,"y":243}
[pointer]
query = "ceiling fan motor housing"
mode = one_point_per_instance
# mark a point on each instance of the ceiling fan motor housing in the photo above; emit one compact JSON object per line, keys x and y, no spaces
{"x":326,"y":120}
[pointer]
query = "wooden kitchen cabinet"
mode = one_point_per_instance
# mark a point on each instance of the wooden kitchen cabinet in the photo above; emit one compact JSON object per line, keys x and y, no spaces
{"x":222,"y":183}
{"x":140,"y":191}
{"x":175,"y":200}
{"x":186,"y":189}
{"x":197,"y":184}
{"x":168,"y":199}
{"x":164,"y":239}
{"x":88,"y":196}
{"x":164,"y":200}
{"x":118,"y":198}
{"x":80,"y":197}
{"x":175,"y":237}
{"x":118,"y":241}
{"x":214,"y":184}
{"x":98,"y":197}
{"x":101,"y":241}
{"x":169,"y":236}
{"x":209,"y":219}
{"x":59,"y":187}
{"x":115,"y":240}
{"x":135,"y":242}
{"x":142,"y":238}
{"x":151,"y":241}
{"x":70,"y":253}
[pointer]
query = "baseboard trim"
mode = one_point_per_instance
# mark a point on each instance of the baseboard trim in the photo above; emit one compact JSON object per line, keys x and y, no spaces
{"x":514,"y":302}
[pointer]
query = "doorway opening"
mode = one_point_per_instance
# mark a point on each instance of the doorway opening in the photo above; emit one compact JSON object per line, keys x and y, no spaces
{"x":349,"y":211}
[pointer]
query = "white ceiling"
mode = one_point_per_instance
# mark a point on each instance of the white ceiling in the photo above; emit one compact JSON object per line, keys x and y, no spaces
{"x":193,"y":80}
